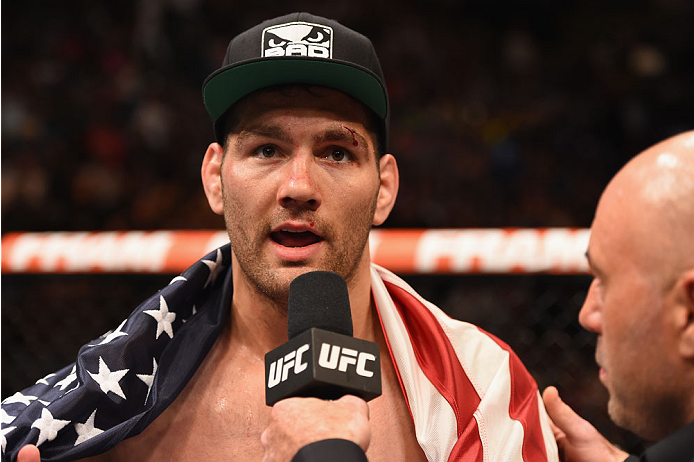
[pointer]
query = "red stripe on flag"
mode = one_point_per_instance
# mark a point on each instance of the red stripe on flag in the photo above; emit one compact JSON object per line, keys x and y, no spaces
{"x":440,"y":365}
{"x":524,"y":406}
{"x":469,"y":447}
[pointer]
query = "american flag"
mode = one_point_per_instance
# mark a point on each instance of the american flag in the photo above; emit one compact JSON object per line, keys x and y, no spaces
{"x":123,"y":380}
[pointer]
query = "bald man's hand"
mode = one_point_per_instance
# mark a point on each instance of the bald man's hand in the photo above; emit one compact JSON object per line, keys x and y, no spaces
{"x":577,"y":439}
{"x":296,"y":422}
{"x":29,"y":453}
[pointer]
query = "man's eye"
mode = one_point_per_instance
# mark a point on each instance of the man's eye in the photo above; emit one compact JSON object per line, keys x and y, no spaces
{"x":267,"y":151}
{"x":338,"y":155}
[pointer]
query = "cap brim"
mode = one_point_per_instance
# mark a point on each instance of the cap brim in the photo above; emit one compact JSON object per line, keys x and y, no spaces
{"x":225,"y":87}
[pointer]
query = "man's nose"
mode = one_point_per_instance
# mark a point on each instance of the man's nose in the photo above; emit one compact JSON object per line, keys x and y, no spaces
{"x":299,"y":186}
{"x":590,"y":316}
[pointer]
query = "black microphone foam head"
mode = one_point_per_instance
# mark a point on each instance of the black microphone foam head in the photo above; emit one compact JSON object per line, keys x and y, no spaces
{"x":319,"y":299}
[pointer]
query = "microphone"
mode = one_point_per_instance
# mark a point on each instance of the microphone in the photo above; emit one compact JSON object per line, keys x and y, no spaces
{"x":321,"y":358}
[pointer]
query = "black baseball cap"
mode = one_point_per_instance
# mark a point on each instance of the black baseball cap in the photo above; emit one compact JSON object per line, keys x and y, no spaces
{"x":298,"y":48}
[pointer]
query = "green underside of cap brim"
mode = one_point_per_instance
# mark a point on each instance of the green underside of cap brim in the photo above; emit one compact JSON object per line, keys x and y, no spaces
{"x":226,"y":88}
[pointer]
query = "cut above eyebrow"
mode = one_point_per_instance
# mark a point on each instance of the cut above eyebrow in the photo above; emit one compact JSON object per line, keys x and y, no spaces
{"x":347,"y":135}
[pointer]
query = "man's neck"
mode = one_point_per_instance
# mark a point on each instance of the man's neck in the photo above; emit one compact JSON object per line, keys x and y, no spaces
{"x":259,"y":323}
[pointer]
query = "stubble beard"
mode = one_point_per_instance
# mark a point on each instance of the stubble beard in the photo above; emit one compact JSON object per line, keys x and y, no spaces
{"x":248,"y":239}
{"x":652,"y":411}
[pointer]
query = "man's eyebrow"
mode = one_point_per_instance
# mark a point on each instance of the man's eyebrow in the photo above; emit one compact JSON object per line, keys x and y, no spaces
{"x":262,"y":130}
{"x":346,"y":135}
{"x":591,"y":264}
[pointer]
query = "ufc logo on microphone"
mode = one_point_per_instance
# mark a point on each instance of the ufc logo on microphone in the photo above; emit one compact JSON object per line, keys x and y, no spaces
{"x":279,"y":370}
{"x":339,"y":358}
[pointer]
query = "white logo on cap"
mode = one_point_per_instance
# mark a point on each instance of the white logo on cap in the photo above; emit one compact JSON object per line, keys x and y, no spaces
{"x":298,"y":39}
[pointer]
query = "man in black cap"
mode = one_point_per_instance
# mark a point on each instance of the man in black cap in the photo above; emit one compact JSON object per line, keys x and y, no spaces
{"x":300,"y":172}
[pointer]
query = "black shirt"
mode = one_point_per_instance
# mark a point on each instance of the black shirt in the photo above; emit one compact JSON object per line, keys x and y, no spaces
{"x":678,"y":447}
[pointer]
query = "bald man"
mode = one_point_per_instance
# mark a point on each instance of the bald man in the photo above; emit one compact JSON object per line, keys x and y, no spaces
{"x":641,"y":305}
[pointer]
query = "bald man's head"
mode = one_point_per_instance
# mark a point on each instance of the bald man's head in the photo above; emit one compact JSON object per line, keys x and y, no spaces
{"x":651,"y":200}
{"x":641,"y":300}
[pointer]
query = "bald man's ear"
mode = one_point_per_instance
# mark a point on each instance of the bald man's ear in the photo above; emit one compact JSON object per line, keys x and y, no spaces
{"x":686,"y":297}
{"x":211,"y":174}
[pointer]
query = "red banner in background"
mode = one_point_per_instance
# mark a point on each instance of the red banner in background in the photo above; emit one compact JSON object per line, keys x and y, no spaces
{"x":404,"y":251}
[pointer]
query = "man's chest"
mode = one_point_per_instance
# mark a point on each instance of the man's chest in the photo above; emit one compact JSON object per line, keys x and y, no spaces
{"x":221,"y":414}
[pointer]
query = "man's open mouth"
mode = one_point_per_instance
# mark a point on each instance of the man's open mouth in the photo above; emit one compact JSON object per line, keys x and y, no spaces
{"x":289,"y":238}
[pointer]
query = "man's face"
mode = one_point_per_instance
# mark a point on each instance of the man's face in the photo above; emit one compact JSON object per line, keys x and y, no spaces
{"x":300,"y":184}
{"x":625,"y":307}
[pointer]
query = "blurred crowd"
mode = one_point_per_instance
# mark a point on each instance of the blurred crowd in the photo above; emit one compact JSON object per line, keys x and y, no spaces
{"x":503,"y":113}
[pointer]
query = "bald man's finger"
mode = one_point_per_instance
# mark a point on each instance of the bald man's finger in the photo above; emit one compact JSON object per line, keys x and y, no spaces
{"x":29,"y":453}
{"x":577,"y":439}
{"x":556,"y":431}
{"x":563,"y":417}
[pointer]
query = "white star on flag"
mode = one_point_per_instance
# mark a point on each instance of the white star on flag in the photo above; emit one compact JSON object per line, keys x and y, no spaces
{"x":163,"y":318}
{"x":149,"y":378}
{"x":87,"y":430}
{"x":4,"y":431}
{"x":5,"y":418}
{"x":48,"y":426}
{"x":113,"y":334}
{"x":19,"y":398}
{"x":63,"y":384}
{"x":107,"y":380}
{"x":215,"y":268}
{"x":45,"y":379}
{"x":177,"y":278}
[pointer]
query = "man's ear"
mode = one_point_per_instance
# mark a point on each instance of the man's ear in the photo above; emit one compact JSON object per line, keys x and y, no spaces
{"x":390,"y":182}
{"x":685,"y":298}
{"x":211,"y":173}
